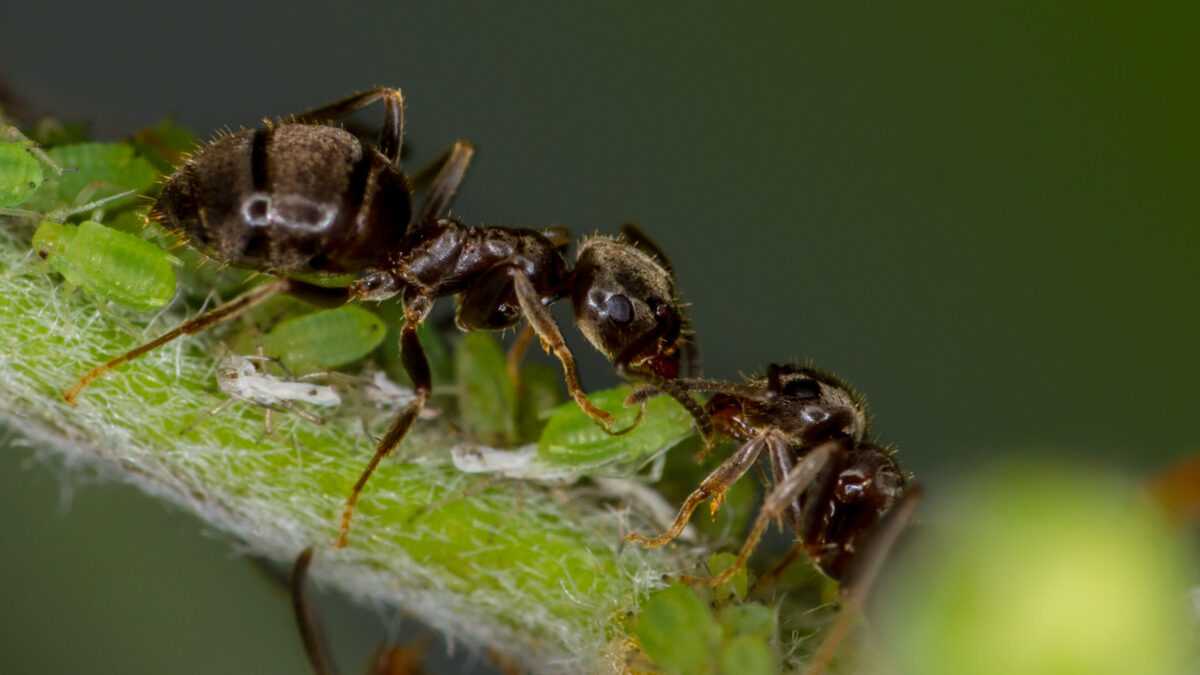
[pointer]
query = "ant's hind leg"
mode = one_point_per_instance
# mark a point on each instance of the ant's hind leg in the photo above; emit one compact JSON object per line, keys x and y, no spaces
{"x":864,"y":578}
{"x":446,"y":183}
{"x":552,"y":341}
{"x":416,"y":308}
{"x":310,"y":633}
{"x":232,"y":309}
{"x":774,"y":505}
{"x":392,"y":135}
{"x":714,"y":485}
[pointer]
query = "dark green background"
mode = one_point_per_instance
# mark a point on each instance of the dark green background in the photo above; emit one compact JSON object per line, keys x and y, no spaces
{"x":984,"y":217}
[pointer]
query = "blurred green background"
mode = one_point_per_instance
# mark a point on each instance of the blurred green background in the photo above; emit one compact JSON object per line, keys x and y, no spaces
{"x":983,"y":217}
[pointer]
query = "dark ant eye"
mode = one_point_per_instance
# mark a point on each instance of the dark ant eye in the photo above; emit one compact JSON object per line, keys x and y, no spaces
{"x":802,"y":388}
{"x":619,"y":308}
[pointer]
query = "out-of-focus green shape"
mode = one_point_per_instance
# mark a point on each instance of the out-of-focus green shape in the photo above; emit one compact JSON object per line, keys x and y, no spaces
{"x":164,"y":144}
{"x":540,"y":389}
{"x":735,"y":587}
{"x":109,"y":264}
{"x":677,"y":631}
{"x":748,"y":618}
{"x":325,"y":339}
{"x":748,"y":655}
{"x":487,"y":395}
{"x":572,"y":440}
{"x":1041,"y":570}
{"x":94,"y":170}
{"x":20,"y":174}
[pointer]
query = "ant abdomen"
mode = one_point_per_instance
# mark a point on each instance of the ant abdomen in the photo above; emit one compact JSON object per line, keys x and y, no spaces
{"x":293,"y":198}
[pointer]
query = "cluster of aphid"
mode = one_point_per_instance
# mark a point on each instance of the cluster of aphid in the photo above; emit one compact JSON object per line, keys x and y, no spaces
{"x":303,"y":202}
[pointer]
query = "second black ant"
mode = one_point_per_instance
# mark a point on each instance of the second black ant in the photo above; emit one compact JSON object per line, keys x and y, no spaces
{"x":843,"y":496}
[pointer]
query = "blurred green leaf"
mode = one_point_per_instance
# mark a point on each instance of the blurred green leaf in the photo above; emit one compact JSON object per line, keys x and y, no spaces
{"x":487,"y":396}
{"x":677,"y":631}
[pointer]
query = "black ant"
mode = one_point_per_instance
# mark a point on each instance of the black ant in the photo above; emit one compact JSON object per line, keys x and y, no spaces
{"x":845,"y":498}
{"x":305,"y":198}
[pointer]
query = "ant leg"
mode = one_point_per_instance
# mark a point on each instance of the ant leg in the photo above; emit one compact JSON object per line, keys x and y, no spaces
{"x":898,"y":520}
{"x":552,"y":341}
{"x":445,"y":185}
{"x":232,"y":309}
{"x":392,"y":135}
{"x":774,"y":505}
{"x":310,"y":633}
{"x":516,"y":353}
{"x":714,"y":485}
{"x":416,"y":308}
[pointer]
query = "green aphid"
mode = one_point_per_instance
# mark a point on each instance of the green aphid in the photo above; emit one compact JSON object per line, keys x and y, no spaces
{"x":487,"y":395}
{"x":572,"y":442}
{"x":107,"y":263}
{"x":21,"y":174}
{"x":94,"y":170}
{"x":325,"y":340}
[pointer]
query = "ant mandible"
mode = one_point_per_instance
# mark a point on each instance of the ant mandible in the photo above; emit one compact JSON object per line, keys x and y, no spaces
{"x":305,"y":198}
{"x":844,"y":497}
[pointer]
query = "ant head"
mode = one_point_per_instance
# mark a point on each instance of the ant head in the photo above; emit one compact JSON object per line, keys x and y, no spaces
{"x":870,"y":478}
{"x":812,"y":405}
{"x":375,"y":285}
{"x":865,"y":486}
{"x":626,"y":305}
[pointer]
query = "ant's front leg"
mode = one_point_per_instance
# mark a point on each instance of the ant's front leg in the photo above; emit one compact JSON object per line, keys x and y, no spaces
{"x":715,"y":485}
{"x":552,"y":341}
{"x":416,"y":308}
{"x":775,"y":504}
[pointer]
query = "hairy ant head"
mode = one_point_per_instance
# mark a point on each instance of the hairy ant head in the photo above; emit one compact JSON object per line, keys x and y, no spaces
{"x":810,"y":405}
{"x":375,"y":285}
{"x":626,"y":305}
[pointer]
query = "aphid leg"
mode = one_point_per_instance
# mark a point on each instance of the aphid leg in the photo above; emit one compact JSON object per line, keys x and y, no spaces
{"x":225,"y":312}
{"x":516,"y":354}
{"x":445,"y":185}
{"x":714,"y":485}
{"x":552,"y":342}
{"x":59,"y":215}
{"x":310,"y":633}
{"x":392,"y":135}
{"x":775,"y":504}
{"x":416,"y":308}
{"x":855,"y":595}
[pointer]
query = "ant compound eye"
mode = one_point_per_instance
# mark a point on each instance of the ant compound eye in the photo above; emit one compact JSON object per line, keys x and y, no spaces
{"x":619,"y":309}
{"x":802,"y":388}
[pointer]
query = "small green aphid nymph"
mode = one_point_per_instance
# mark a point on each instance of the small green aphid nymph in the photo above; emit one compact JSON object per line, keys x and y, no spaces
{"x":107,"y":263}
{"x":325,"y":339}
